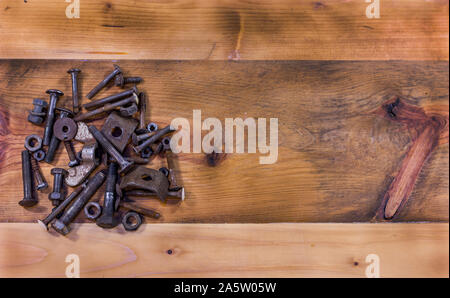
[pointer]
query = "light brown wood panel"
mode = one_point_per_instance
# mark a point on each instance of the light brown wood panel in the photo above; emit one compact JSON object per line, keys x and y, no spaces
{"x":336,"y":156}
{"x":225,"y":29}
{"x":233,"y":250}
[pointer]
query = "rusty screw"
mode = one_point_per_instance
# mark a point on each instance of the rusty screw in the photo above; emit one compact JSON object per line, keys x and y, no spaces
{"x":104,"y":82}
{"x":150,"y":138}
{"x":28,"y":196}
{"x":54,"y":96}
{"x":139,"y":209}
{"x":120,"y":80}
{"x":60,"y":208}
{"x":108,"y":220}
{"x":112,"y":98}
{"x":57,"y":195}
{"x":62,"y":225}
{"x":37,"y":115}
{"x":107,"y":107}
{"x":112,"y":151}
{"x":75,"y":99}
{"x":40,"y":180}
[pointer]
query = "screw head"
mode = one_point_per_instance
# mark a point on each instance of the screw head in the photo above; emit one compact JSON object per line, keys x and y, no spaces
{"x":60,"y":171}
{"x":55,"y":196}
{"x":28,"y":202}
{"x":119,"y":80}
{"x":55,"y":91}
{"x":60,"y":227}
{"x":65,"y":112}
{"x":43,"y":185}
{"x":74,"y":70}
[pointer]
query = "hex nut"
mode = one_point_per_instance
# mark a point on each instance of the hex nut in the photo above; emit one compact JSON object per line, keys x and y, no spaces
{"x":147,"y":152}
{"x":39,"y":155}
{"x":127,"y":222}
{"x":92,"y":210}
{"x":33,"y":143}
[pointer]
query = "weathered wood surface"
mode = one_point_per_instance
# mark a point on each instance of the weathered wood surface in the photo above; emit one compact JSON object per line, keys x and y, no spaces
{"x":225,"y":29}
{"x":336,"y":156}
{"x":233,"y":250}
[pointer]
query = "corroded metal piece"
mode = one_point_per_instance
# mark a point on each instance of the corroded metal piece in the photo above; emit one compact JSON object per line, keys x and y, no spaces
{"x":112,"y":98}
{"x":104,"y":82}
{"x":124,"y":164}
{"x":54,"y":96}
{"x":57,"y":195}
{"x":118,"y":130}
{"x":108,"y":107}
{"x":83,"y":133}
{"x":109,"y":219}
{"x":75,"y":98}
{"x":90,"y":159}
{"x":152,"y":137}
{"x":40,"y":180}
{"x":37,"y":115}
{"x":62,"y":225}
{"x":29,"y":199}
{"x":146,"y":179}
{"x":58,"y":210}
{"x":92,"y":210}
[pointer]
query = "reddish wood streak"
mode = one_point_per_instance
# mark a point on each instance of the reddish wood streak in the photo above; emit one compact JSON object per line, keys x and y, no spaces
{"x":426,"y":131}
{"x":4,"y":123}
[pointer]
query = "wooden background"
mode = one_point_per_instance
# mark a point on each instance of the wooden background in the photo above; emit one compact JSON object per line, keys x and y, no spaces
{"x":322,"y":68}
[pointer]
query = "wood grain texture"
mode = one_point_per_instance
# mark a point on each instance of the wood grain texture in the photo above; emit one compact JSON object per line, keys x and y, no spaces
{"x":336,"y":156}
{"x":233,"y":250}
{"x":225,"y":29}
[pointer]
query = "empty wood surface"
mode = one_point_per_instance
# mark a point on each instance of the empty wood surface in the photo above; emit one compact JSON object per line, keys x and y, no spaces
{"x":225,"y":29}
{"x":228,"y":250}
{"x":336,"y":157}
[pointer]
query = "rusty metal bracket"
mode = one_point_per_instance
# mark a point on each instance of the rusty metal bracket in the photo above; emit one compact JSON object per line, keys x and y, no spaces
{"x":118,"y":130}
{"x":146,"y":179}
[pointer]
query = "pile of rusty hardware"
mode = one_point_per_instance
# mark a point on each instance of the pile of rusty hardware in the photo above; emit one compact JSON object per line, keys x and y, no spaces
{"x":123,"y":146}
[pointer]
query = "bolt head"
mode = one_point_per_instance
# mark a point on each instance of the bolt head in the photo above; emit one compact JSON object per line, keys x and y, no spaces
{"x":73,"y":163}
{"x":108,"y":222}
{"x":55,"y":196}
{"x":28,"y":202}
{"x":35,"y":119}
{"x":119,"y":80}
{"x":126,"y":166}
{"x":74,"y":70}
{"x":60,"y":227}
{"x":65,"y":112}
{"x":43,"y":185}
{"x":117,"y":68}
{"x":55,"y":91}
{"x":60,"y":171}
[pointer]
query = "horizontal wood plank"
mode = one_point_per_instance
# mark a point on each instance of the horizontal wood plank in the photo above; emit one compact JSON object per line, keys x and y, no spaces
{"x":233,"y":250}
{"x":225,"y":29}
{"x":336,"y":156}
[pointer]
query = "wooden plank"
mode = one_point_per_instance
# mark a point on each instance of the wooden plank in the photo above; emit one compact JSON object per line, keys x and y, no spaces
{"x":233,"y":250}
{"x":336,"y":156}
{"x":225,"y":29}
